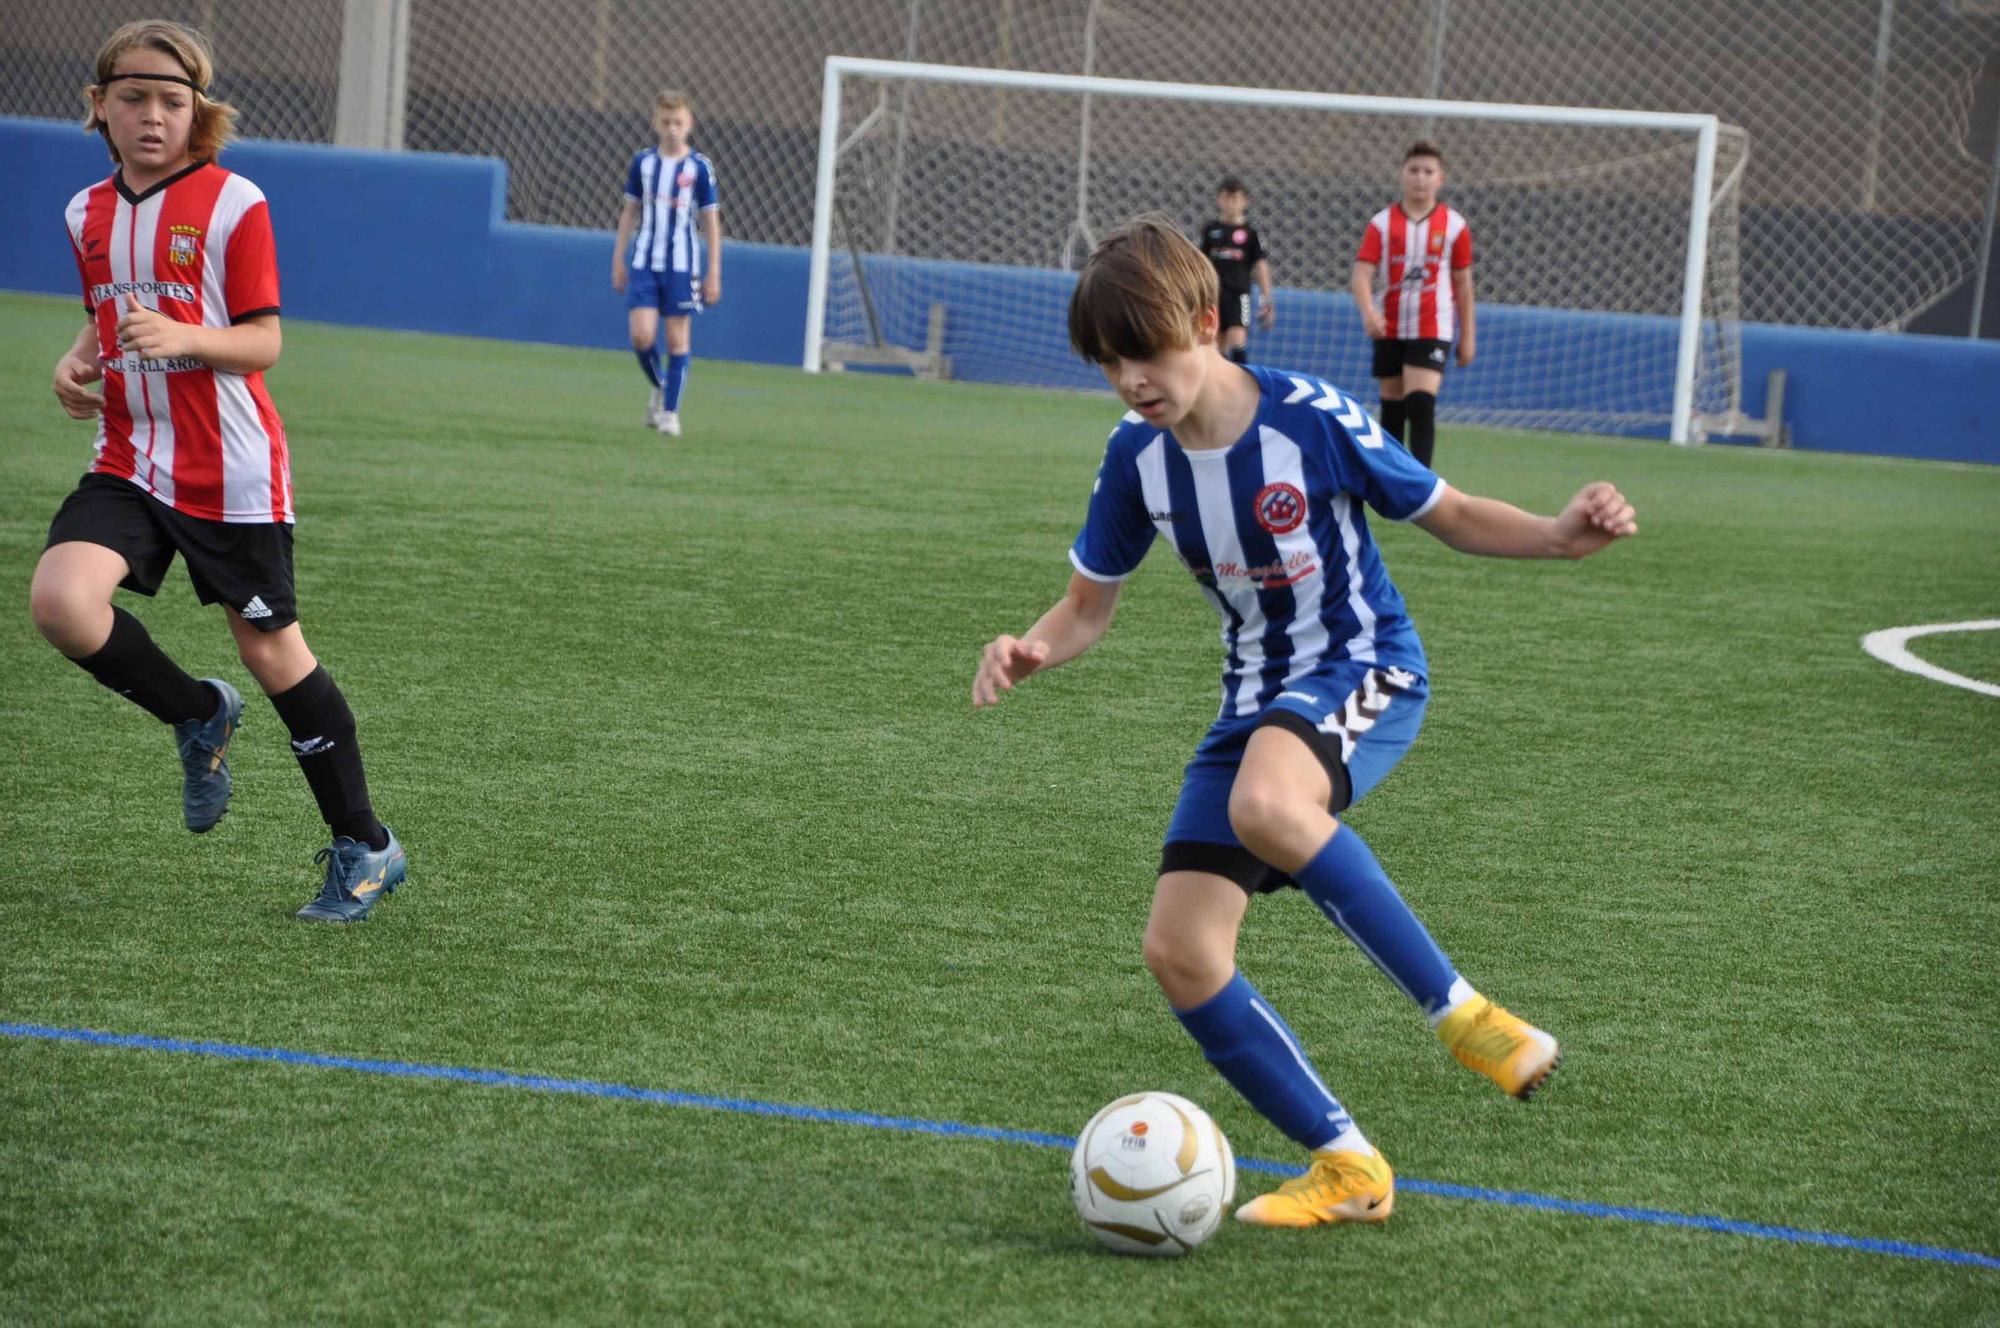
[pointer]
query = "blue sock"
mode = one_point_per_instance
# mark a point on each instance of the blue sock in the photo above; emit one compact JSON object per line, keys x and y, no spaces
{"x":1350,"y":887}
{"x":1257,"y":1052}
{"x":677,"y":380}
{"x":649,"y":360}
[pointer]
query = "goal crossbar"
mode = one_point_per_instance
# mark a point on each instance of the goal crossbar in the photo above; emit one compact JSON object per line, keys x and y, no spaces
{"x":1704,"y":127}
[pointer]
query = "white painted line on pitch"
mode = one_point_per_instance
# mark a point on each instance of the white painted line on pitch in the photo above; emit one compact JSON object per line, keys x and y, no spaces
{"x":1887,"y":646}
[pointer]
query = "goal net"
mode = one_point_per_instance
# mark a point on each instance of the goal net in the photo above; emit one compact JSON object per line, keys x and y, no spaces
{"x":954,"y":205}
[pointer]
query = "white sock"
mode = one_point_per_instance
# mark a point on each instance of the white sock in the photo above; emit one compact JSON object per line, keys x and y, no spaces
{"x":1349,"y":1140}
{"x":1461,"y":992}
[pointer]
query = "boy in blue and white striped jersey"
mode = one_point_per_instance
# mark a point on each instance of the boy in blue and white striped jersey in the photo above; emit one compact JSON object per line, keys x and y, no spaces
{"x":1256,"y":478}
{"x":673,"y":271}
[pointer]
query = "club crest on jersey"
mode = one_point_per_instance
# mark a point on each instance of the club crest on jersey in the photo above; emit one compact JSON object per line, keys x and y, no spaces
{"x":184,"y":245}
{"x":686,"y":177}
{"x":1281,"y":508}
{"x":1240,"y":236}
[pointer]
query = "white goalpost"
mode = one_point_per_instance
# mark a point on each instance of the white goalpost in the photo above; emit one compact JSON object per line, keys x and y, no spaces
{"x":953,"y":204}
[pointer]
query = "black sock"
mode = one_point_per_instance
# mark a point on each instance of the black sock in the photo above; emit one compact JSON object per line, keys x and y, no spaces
{"x":1239,"y":354}
{"x":1422,"y":407}
{"x":323,"y":739}
{"x":650,"y":362}
{"x":1393,"y":415}
{"x":131,"y":665}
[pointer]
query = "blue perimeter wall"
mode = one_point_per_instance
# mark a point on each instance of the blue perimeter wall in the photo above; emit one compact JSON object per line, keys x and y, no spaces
{"x":420,"y":242}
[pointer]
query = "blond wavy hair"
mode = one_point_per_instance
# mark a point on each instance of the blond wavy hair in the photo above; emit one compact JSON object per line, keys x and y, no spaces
{"x":214,"y":121}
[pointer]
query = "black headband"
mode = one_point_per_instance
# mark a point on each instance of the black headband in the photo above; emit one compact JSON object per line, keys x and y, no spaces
{"x":187,"y":83}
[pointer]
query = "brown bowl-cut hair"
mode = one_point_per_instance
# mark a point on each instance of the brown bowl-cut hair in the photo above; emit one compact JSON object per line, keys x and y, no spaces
{"x":214,"y":121}
{"x":1141,"y":293}
{"x":1423,"y":147}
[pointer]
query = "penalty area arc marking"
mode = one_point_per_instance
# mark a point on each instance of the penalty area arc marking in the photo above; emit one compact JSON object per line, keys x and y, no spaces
{"x":1890,"y":646}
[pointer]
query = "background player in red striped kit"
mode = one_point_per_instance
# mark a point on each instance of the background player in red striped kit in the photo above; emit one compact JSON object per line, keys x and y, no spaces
{"x":1414,"y":244}
{"x":180,"y":281}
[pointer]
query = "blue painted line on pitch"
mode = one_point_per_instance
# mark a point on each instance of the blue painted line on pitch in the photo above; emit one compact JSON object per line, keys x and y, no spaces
{"x":953,"y":1129}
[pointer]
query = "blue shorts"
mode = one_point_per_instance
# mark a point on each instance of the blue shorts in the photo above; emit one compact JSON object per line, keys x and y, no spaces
{"x":1358,"y":718}
{"x":675,"y":294}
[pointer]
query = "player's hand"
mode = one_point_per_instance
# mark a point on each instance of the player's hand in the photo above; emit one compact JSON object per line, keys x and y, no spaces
{"x":1372,"y":324}
{"x":151,"y":333}
{"x":1465,"y":352}
{"x":1267,"y":314}
{"x":1597,"y":515}
{"x":1005,"y":662}
{"x":618,"y":275}
{"x":72,"y":373}
{"x":711,"y":289}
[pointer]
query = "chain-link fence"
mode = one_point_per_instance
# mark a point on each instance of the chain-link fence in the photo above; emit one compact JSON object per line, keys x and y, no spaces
{"x":1861,"y":199}
{"x":943,"y":193}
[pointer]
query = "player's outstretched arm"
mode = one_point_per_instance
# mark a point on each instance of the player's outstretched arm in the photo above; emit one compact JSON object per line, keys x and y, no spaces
{"x":78,"y":368}
{"x":1594,"y":518}
{"x":1070,"y":627}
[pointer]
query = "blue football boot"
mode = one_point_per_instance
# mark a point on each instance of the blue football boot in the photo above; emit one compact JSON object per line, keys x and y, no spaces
{"x":204,"y":746}
{"x":356,"y":876}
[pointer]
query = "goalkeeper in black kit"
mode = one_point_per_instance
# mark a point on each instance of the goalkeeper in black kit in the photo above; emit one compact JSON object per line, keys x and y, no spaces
{"x":1237,"y":253}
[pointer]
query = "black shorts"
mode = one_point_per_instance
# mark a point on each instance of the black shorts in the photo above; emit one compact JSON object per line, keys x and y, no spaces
{"x":1235,"y":309}
{"x":1391,"y":356}
{"x":245,"y":565}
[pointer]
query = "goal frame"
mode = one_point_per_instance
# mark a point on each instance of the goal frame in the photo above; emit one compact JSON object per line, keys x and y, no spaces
{"x":1704,"y":127}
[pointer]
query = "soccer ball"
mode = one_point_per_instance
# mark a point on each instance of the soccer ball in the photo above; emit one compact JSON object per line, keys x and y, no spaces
{"x":1151,"y":1174}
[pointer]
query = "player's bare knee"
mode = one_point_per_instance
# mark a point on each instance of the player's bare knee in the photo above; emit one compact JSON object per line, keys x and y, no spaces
{"x":1165,"y":956}
{"x":1184,"y":968}
{"x":260,"y":654}
{"x":1259,"y":811}
{"x":61,"y":612}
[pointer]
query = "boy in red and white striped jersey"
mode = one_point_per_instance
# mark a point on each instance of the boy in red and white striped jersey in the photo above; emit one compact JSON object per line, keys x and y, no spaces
{"x":180,"y":282}
{"x":1423,"y":252}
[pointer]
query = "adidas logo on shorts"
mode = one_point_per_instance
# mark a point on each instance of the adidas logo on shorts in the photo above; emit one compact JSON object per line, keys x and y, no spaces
{"x":256,"y":608}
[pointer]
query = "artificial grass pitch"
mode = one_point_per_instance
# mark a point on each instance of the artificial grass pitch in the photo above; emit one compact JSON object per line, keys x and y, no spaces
{"x":678,"y":735}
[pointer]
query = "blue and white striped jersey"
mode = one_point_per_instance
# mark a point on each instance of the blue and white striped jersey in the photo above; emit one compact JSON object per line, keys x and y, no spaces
{"x":1272,"y":531}
{"x":669,"y":192}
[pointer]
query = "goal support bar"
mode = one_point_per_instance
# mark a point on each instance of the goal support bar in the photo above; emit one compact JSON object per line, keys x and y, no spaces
{"x":1703,"y":127}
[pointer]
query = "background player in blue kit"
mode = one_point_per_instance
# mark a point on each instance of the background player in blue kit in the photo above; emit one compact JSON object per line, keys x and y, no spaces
{"x":664,"y":267}
{"x":1256,"y":477}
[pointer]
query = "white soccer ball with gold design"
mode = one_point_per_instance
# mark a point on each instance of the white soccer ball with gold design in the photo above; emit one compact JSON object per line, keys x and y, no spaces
{"x":1151,"y":1174}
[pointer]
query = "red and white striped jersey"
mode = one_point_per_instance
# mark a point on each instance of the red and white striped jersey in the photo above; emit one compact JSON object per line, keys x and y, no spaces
{"x":1414,"y":258}
{"x":196,"y":247}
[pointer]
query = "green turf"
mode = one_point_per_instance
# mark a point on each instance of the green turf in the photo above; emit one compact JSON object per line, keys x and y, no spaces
{"x":678,"y":736}
{"x":1974,"y":655}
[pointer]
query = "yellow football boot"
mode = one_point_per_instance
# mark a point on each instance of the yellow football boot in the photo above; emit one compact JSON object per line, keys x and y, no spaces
{"x":1507,"y":1049}
{"x":1346,"y":1186}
